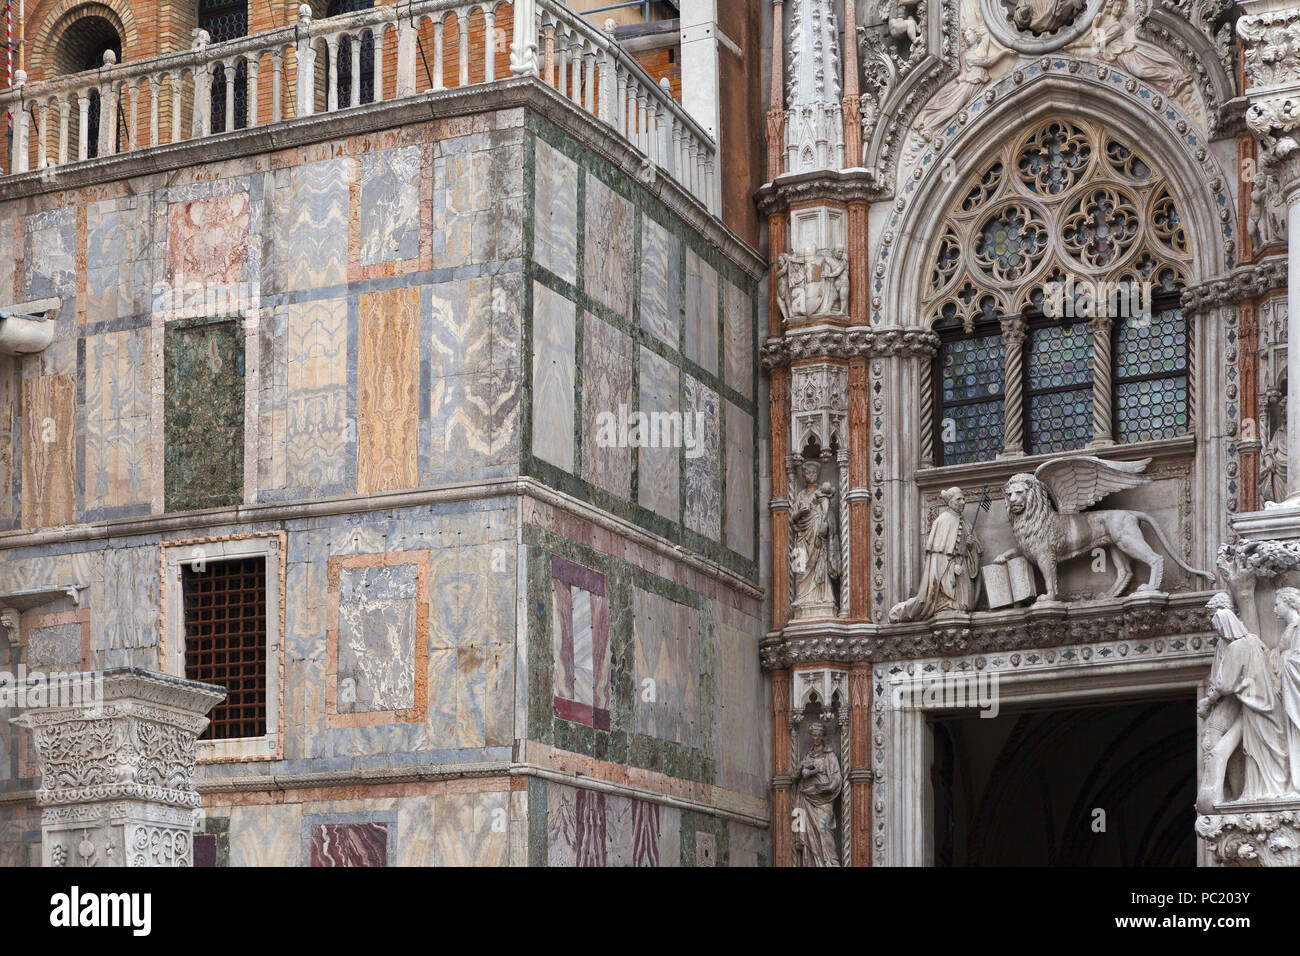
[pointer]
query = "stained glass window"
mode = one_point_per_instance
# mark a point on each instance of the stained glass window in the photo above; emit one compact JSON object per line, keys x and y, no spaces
{"x":970,"y":397}
{"x":1058,"y":392}
{"x":1151,"y":382}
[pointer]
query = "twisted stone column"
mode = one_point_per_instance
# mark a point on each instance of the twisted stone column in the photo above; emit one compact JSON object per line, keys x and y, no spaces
{"x":1013,"y":417}
{"x":1103,"y":402}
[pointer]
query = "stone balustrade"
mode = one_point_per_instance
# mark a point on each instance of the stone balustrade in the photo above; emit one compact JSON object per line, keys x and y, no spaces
{"x":392,"y":52}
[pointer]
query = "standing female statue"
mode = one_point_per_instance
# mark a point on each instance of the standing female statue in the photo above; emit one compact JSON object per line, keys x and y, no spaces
{"x":817,"y":785}
{"x":814,"y":547}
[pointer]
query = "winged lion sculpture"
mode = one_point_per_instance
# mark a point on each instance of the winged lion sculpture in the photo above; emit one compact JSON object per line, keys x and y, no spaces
{"x":1050,"y":525}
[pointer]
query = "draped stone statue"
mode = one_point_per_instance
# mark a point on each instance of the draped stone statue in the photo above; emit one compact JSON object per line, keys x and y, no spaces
{"x":814,"y":547}
{"x":979,"y":54}
{"x":950,"y":577}
{"x":818,"y":783}
{"x":1242,"y":678}
{"x":1273,"y":456}
{"x":1114,"y":38}
{"x":1286,"y":604}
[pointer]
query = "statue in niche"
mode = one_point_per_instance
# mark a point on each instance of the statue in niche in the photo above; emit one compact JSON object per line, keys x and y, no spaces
{"x":978,"y":56}
{"x":1045,"y":16}
{"x":1267,"y":221}
{"x":1243,"y":701}
{"x":783,"y":287}
{"x":1046,"y":514}
{"x":1286,"y":604}
{"x":1273,"y":456}
{"x":818,"y":783}
{"x":814,"y":546}
{"x":835,"y":282}
{"x":1114,"y":38}
{"x":950,"y":578}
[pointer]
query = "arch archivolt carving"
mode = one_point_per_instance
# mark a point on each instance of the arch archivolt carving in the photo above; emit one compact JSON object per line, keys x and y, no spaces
{"x":1018,"y":108}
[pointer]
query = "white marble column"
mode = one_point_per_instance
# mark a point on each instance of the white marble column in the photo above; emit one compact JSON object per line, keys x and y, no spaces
{"x":116,"y":751}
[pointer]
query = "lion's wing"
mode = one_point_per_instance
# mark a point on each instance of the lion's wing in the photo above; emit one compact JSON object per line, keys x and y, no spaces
{"x":1078,"y":483}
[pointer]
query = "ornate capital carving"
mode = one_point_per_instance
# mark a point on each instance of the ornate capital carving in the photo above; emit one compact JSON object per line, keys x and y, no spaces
{"x":823,"y":342}
{"x":1271,"y":59}
{"x":1252,"y":839}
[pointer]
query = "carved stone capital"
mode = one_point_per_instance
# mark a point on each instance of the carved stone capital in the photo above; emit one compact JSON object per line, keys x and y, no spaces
{"x":1249,"y":282}
{"x":823,"y":342}
{"x":116,"y":751}
{"x":1270,"y":838}
{"x":1270,"y":37}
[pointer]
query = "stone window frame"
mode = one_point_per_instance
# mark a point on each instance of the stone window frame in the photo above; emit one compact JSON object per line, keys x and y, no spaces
{"x":270,"y":545}
{"x":415,"y":714}
{"x":968,"y":291}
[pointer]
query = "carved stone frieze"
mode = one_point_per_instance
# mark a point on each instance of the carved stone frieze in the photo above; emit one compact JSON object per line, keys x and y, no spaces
{"x":1271,"y":61}
{"x":1112,"y":629}
{"x":1248,"y":282}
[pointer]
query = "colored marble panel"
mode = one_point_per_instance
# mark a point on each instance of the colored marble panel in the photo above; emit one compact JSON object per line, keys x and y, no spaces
{"x":50,"y":257}
{"x":312,"y":225}
{"x":349,"y":844}
{"x":738,"y":344}
{"x":659,"y":469}
{"x":580,"y":635}
{"x":553,"y":377}
{"x":117,"y":420}
{"x":741,"y":497}
{"x":387,"y":391}
{"x":742,"y":754}
{"x":606,"y":403}
{"x":207,"y":240}
{"x":473,"y":595}
{"x":661,"y":290}
{"x":609,"y":252}
{"x":377,"y":635}
{"x":555,"y":222}
{"x":667,"y":652}
{"x":390,"y":205}
{"x":7,"y":256}
{"x":477,"y":201}
{"x":703,"y":479}
{"x":203,"y":421}
{"x":48,"y":451}
{"x":118,"y":271}
{"x":701,"y":312}
{"x":316,"y":344}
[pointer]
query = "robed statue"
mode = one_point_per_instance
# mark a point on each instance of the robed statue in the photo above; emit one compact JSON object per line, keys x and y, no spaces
{"x":817,"y":786}
{"x":814,"y":547}
{"x":950,"y":576}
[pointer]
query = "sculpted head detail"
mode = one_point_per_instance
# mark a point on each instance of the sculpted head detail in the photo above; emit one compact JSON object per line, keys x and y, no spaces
{"x":1017,"y":492}
{"x":811,"y":471}
{"x":1220,"y":602}
{"x":1286,"y":604}
{"x":954,"y":498}
{"x":817,"y":731}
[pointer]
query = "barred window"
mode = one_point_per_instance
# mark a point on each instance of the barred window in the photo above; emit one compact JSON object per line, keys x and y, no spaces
{"x":225,"y":641}
{"x":343,"y":62}
{"x":226,"y":20}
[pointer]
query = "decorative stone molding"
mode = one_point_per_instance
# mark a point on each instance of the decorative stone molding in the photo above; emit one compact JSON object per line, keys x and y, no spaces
{"x":840,"y":187}
{"x":1248,"y":282}
{"x":819,"y":405}
{"x":822,"y":342}
{"x":1111,"y":629}
{"x":117,"y":752}
{"x":1267,"y":838}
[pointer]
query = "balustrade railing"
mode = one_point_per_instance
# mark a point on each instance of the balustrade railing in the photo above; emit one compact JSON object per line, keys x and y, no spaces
{"x":324,"y":66}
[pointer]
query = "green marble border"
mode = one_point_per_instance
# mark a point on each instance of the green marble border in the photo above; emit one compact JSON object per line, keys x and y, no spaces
{"x":643,"y":204}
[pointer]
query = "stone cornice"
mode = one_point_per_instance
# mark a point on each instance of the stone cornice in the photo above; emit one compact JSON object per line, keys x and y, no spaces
{"x":1244,"y":283}
{"x":1143,"y":620}
{"x":847,"y":186}
{"x":831,"y":342}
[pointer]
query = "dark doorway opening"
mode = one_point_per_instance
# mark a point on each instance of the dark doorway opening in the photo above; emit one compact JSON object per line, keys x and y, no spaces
{"x":1099,"y":785}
